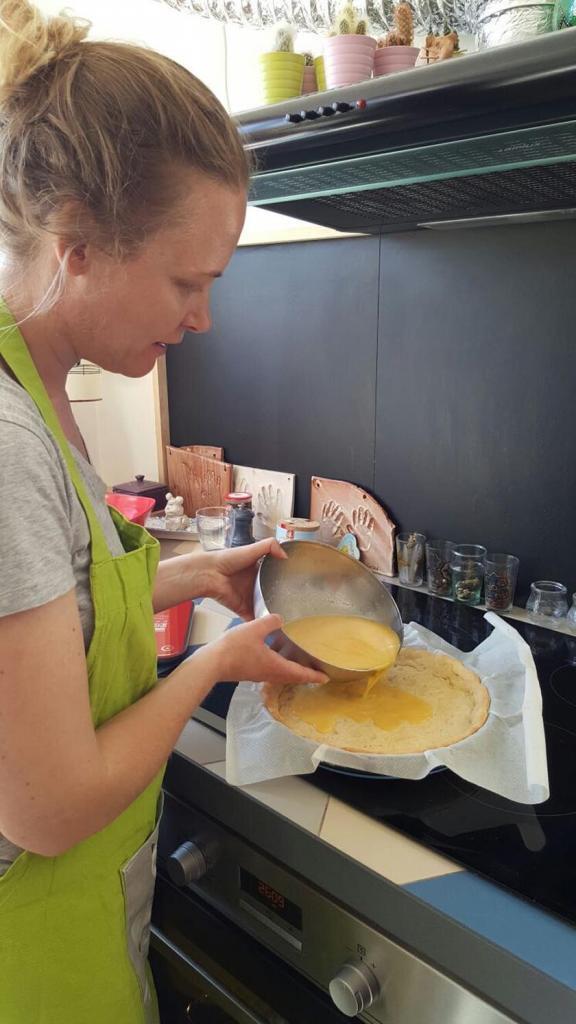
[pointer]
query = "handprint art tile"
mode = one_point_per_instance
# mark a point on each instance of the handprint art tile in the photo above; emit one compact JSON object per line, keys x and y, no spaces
{"x":272,"y":496}
{"x":352,"y":510}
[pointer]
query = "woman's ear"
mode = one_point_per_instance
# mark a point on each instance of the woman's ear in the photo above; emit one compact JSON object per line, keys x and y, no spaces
{"x":74,"y":258}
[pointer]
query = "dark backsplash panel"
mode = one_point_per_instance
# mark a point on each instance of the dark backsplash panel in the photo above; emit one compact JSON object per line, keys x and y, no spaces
{"x":286,"y":378}
{"x":436,"y":369}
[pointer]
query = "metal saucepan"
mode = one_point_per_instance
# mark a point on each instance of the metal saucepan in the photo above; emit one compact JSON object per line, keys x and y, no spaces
{"x":317,"y":579}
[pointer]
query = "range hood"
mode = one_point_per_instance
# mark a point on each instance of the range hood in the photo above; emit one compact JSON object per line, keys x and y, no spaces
{"x":478,"y":138}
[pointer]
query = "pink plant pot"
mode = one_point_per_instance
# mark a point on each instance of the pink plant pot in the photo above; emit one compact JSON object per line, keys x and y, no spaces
{"x":348,"y":59}
{"x":309,"y":81}
{"x":388,"y":59}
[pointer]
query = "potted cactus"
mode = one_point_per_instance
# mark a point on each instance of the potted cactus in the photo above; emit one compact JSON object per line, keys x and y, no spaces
{"x":281,"y":69}
{"x":309,"y":80}
{"x":349,"y":50}
{"x":395,"y":51}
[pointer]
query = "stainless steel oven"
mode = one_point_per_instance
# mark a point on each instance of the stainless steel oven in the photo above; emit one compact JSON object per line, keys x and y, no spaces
{"x":240,"y":937}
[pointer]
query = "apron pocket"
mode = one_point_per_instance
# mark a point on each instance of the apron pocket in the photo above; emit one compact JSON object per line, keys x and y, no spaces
{"x":138,"y":877}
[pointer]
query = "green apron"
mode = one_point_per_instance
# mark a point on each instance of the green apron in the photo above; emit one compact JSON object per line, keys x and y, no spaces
{"x":74,"y":929}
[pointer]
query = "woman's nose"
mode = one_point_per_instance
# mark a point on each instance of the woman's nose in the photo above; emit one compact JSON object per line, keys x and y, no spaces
{"x":198,"y":318}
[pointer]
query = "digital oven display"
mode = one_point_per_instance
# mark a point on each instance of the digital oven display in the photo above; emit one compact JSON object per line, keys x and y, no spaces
{"x":270,"y":898}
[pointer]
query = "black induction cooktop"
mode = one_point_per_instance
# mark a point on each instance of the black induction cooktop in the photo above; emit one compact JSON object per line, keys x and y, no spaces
{"x":528,"y":849}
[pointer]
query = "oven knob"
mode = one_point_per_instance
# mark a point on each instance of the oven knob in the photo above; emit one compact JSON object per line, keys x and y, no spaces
{"x":354,"y":989}
{"x":187,"y":864}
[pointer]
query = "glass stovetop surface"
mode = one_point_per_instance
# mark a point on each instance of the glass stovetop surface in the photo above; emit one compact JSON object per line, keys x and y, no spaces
{"x":530,"y":850}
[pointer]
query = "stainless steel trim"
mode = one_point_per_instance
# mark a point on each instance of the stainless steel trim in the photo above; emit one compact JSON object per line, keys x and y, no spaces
{"x":501,"y":219}
{"x":210,"y":719}
{"x":221,"y":996}
{"x":291,"y":939}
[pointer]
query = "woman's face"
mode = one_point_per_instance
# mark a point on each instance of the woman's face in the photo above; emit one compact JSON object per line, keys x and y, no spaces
{"x":124,"y":315}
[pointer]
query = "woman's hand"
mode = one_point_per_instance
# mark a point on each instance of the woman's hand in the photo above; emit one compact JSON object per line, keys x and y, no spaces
{"x":242,"y":653}
{"x":229,"y":575}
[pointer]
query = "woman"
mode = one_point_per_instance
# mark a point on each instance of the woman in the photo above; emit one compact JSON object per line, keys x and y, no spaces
{"x":122,"y":196}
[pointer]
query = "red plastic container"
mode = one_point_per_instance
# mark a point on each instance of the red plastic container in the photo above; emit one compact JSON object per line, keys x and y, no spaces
{"x":172,"y":629}
{"x":135,"y":508}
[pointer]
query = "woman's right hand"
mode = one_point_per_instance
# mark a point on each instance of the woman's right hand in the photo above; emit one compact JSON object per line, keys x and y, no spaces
{"x":242,"y":653}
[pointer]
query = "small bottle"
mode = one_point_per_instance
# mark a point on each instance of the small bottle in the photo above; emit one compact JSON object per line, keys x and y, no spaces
{"x":239,"y":504}
{"x":297,"y":529}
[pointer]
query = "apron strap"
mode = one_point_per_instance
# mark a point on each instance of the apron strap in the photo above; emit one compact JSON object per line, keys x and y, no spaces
{"x":14,"y":351}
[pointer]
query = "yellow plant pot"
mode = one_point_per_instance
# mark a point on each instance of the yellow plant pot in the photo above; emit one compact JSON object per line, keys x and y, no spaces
{"x":320,"y":73}
{"x":281,"y":75}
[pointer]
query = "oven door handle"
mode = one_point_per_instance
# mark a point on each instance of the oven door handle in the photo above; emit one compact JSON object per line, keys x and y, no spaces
{"x":221,"y":996}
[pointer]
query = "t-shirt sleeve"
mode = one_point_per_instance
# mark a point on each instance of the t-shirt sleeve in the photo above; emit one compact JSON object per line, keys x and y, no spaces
{"x":35,"y":522}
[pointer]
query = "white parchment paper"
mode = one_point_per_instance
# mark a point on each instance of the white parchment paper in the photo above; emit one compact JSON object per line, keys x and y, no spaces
{"x":507,"y":755}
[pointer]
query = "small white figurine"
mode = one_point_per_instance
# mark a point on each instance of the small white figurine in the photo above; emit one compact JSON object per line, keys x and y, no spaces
{"x":174,"y":513}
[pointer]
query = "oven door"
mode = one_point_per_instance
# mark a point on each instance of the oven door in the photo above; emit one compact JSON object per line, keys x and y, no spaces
{"x":188,"y":992}
{"x":209,"y":971}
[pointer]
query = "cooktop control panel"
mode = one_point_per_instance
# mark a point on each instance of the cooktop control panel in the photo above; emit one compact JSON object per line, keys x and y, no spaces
{"x":366,"y":974}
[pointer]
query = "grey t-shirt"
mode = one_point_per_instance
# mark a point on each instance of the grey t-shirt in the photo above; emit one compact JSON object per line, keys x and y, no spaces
{"x":44,"y":535}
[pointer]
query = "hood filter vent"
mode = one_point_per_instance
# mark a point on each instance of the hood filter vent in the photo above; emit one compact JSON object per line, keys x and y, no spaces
{"x":393,"y":209}
{"x":527,"y":147}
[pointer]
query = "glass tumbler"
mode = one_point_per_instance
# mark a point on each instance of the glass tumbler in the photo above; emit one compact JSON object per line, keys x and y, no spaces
{"x":572,"y":613}
{"x":467,"y":566}
{"x":438,"y":556}
{"x":213,"y":525}
{"x":410,"y":555}
{"x":500,"y":581}
{"x":548,"y":599}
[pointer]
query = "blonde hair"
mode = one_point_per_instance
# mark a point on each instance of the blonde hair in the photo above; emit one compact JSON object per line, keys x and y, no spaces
{"x":95,"y":136}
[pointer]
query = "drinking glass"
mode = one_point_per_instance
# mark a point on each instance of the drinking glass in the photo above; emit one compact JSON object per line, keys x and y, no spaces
{"x":213,"y":525}
{"x":500,"y":581}
{"x":410,"y":555}
{"x":467,"y":566}
{"x":438,"y":555}
{"x":548,"y":599}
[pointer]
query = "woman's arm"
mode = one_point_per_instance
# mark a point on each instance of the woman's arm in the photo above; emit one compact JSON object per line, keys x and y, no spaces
{"x":228,"y":576}
{"x":181,"y":578}
{"x":60,"y":779}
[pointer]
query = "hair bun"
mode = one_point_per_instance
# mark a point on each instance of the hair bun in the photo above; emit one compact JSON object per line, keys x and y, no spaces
{"x":29,"y":41}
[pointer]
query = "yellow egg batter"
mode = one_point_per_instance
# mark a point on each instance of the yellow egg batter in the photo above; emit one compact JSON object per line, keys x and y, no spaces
{"x":386,"y":708}
{"x":358,"y":644}
{"x":347,"y":641}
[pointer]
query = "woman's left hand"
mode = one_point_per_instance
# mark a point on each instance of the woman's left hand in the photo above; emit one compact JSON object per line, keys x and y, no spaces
{"x":229,"y":575}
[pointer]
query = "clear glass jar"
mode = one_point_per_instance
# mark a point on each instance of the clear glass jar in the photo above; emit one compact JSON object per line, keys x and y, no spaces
{"x":500,"y":581}
{"x":548,"y":599}
{"x":572,"y":613}
{"x":439,"y":576}
{"x":410,"y":557}
{"x":467,"y":565}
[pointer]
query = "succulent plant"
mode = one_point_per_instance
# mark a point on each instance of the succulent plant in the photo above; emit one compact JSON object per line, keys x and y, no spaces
{"x":346,"y":21}
{"x":308,"y":60}
{"x":362,"y":27}
{"x":403,"y":32}
{"x":284,"y":40}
